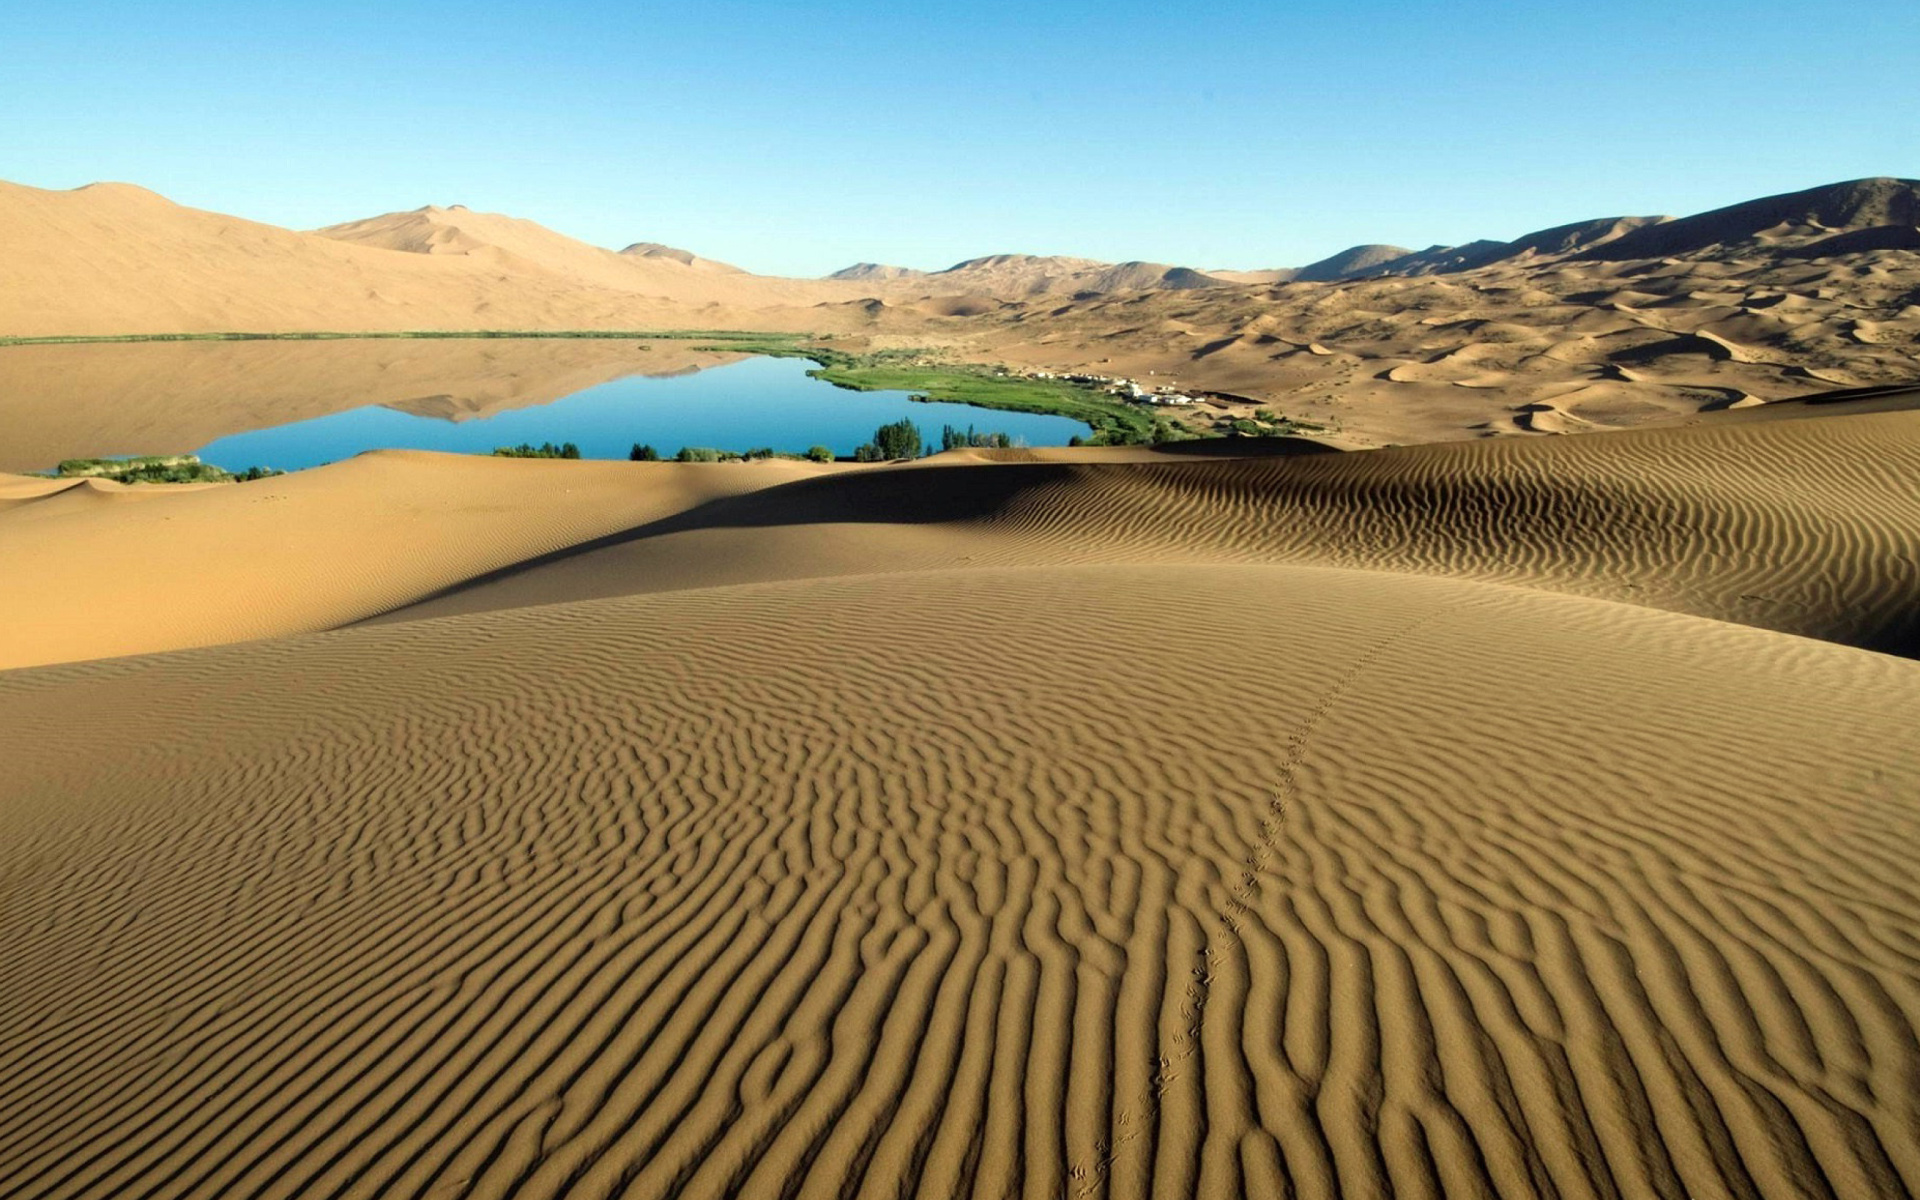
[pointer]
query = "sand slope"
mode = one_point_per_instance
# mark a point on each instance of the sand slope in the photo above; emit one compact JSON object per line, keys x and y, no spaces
{"x":990,"y":883}
{"x":104,"y":569}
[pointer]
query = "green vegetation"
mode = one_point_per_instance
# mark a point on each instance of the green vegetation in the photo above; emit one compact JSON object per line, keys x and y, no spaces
{"x":699,"y":454}
{"x":819,"y":454}
{"x":1267,"y":423}
{"x":952,"y":437}
{"x":173,"y":468}
{"x":543,"y":450}
{"x":895,"y":439}
{"x":643,"y":453}
{"x":1113,"y":423}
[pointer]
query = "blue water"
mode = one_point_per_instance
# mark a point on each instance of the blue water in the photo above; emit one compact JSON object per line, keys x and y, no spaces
{"x":757,"y":402}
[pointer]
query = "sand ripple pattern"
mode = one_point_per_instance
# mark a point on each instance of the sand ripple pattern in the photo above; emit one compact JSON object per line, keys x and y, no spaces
{"x":1371,"y":885}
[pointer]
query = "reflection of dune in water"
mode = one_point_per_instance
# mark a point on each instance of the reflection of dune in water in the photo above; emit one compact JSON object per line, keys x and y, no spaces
{"x":75,"y":401}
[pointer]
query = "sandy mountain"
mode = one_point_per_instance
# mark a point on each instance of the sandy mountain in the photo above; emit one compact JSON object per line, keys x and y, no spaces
{"x":1580,"y":235}
{"x":876,"y":271}
{"x":514,"y":243}
{"x":1143,"y":276}
{"x":1469,"y":256}
{"x":1355,"y":260}
{"x":1273,"y":275}
{"x":1794,"y":216}
{"x":686,"y":258}
{"x":1016,"y":275}
{"x":112,"y":258}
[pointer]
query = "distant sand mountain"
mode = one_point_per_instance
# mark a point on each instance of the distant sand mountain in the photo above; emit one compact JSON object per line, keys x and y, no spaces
{"x":1272,"y":275}
{"x":1013,"y":275}
{"x":876,"y":271}
{"x":645,"y":267}
{"x":1796,"y":216}
{"x":1575,"y":326}
{"x":1370,"y":261}
{"x":112,"y":258}
{"x":1019,"y":274}
{"x":686,"y":258}
{"x":1355,"y":260}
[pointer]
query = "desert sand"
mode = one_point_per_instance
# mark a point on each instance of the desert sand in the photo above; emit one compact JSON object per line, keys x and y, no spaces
{"x":1514,"y":817}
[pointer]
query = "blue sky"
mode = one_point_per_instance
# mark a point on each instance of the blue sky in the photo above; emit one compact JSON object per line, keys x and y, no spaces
{"x":798,"y":139}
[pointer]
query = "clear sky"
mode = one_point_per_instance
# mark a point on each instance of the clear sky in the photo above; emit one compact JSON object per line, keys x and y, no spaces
{"x":797,"y":139}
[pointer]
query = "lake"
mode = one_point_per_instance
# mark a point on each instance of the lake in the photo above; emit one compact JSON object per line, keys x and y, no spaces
{"x":292,"y":404}
{"x":757,"y":402}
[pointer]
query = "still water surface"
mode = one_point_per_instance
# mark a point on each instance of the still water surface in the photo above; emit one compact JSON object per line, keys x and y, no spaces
{"x":769,"y":402}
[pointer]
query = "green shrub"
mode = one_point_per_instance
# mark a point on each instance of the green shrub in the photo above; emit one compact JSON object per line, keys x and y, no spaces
{"x":952,"y":437}
{"x":697,"y":454}
{"x":819,"y":454}
{"x":643,"y":453}
{"x":174,"y":468}
{"x":543,"y":450}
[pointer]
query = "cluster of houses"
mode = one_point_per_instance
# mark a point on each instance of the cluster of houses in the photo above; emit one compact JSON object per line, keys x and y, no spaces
{"x":1126,"y":389}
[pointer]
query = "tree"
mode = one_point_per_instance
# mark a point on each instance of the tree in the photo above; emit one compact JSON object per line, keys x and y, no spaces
{"x":897,"y":439}
{"x":642,"y":452}
{"x":820,"y":454}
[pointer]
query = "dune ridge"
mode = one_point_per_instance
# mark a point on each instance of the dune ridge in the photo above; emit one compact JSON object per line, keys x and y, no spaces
{"x":1805,"y":526}
{"x":1808,"y":526}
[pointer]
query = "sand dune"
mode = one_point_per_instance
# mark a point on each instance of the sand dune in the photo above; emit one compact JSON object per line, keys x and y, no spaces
{"x":1806,"y":526}
{"x":1318,"y":882}
{"x":518,"y":246}
{"x":116,"y":259}
{"x":128,"y":570}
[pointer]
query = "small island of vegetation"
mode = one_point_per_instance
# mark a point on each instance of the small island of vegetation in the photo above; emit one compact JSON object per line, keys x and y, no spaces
{"x":157,"y":468}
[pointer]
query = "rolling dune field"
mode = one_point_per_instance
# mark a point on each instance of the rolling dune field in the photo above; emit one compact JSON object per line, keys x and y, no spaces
{"x":1510,"y":818}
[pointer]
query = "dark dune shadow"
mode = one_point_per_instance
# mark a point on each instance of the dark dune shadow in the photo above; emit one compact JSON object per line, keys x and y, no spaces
{"x":889,"y":496}
{"x":879,"y":496}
